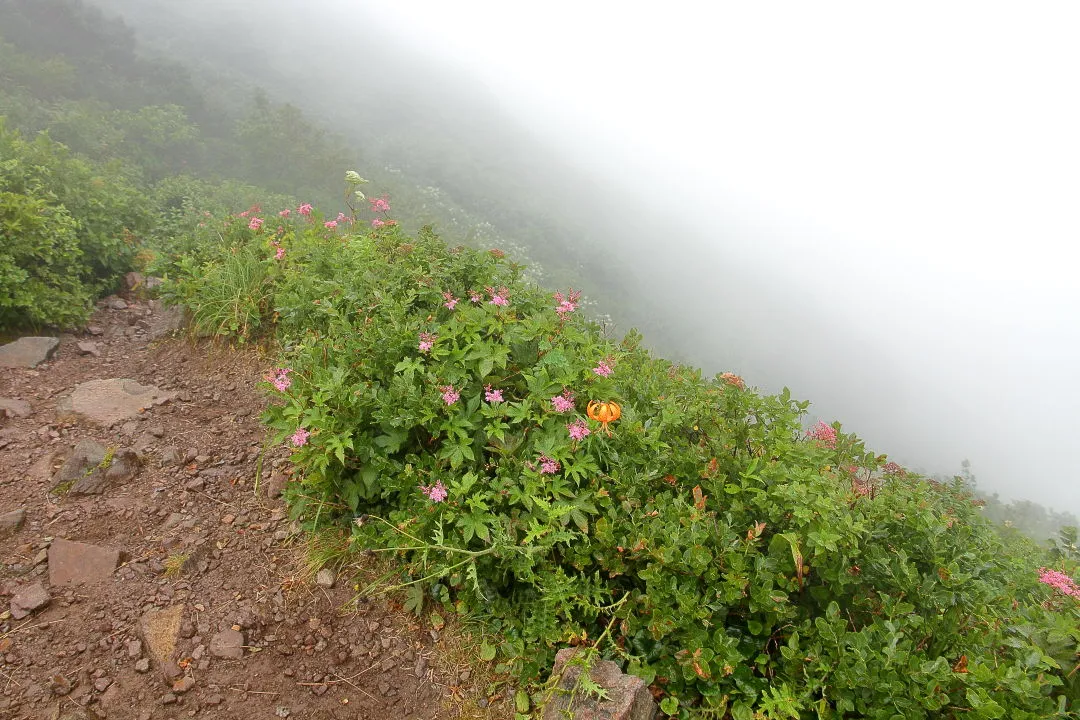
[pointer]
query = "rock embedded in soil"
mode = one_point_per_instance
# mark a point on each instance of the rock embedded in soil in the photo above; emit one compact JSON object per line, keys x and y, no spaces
{"x":28,"y":352}
{"x":106,"y":402}
{"x":88,"y":347}
{"x":325,"y":578}
{"x":14,"y":408}
{"x":76,"y":562}
{"x":11,"y":521}
{"x":160,"y":630}
{"x":80,"y":464}
{"x":228,"y":644}
{"x":28,"y":600}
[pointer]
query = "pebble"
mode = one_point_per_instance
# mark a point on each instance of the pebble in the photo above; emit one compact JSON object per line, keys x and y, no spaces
{"x":325,"y":578}
{"x":142,"y":665}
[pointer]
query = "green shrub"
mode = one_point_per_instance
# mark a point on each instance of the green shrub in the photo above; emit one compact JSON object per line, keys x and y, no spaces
{"x":742,"y":566}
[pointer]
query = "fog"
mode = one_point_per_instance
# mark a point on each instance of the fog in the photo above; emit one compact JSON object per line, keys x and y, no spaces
{"x":874,"y":206}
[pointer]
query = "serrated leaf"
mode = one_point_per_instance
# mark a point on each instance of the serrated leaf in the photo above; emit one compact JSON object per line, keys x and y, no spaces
{"x":487,"y":651}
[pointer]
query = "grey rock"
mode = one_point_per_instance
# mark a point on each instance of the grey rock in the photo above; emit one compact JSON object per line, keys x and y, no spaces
{"x":184,"y":684}
{"x":28,"y":352}
{"x":142,"y":665}
{"x":11,"y":521}
{"x":628,"y":696}
{"x":110,"y":401}
{"x":115,"y":303}
{"x":28,"y":600}
{"x":76,"y":562}
{"x":85,"y":460}
{"x":123,"y":467}
{"x":228,"y":644}
{"x":94,"y":330}
{"x":276,"y":484}
{"x":171,"y":456}
{"x":14,"y":408}
{"x":134,"y":648}
{"x":87,"y":347}
{"x":325,"y":578}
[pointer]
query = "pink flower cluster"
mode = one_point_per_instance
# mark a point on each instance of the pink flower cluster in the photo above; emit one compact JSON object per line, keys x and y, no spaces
{"x":305,"y":209}
{"x":475,"y":297}
{"x":603,"y":369}
{"x":330,"y":224}
{"x":567,"y":303}
{"x":824,"y":434}
{"x":280,"y":251}
{"x":380,"y":204}
{"x":892,"y":468}
{"x":451,"y":301}
{"x":449,"y":394}
{"x":377,"y":223}
{"x":499,"y":297}
{"x":280,"y":379}
{"x":492,"y":396}
{"x":300,"y":437}
{"x":436,"y":492}
{"x":255,"y":224}
{"x":427,"y":341}
{"x":285,"y":213}
{"x":565,"y":402}
{"x":578,"y":430}
{"x":1059,"y":581}
{"x":548,"y":466}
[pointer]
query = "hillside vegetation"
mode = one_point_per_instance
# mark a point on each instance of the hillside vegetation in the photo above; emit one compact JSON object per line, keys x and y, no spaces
{"x":520,"y":465}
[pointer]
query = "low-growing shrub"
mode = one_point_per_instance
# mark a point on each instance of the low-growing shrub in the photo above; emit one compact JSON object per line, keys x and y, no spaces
{"x":744,"y":567}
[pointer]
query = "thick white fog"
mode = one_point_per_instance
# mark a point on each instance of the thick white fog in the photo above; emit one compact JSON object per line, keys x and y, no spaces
{"x":875,"y":206}
{"x":902,"y":182}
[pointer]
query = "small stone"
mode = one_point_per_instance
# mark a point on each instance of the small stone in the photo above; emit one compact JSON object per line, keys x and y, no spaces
{"x":184,"y":684}
{"x":214,"y":700}
{"x":171,"y":456}
{"x":227,"y":519}
{"x":88,"y":347}
{"x":134,"y":648}
{"x":102,"y":684}
{"x":28,"y":600}
{"x":157,"y":431}
{"x":11,"y":521}
{"x":168,"y":699}
{"x":195,"y":484}
{"x":228,"y":644}
{"x":325,"y":578}
{"x":115,"y":303}
{"x":276,"y":484}
{"x":59,"y":684}
{"x":94,"y":330}
{"x":142,"y":665}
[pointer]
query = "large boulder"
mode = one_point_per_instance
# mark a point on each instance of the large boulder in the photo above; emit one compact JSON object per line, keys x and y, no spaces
{"x":28,"y":352}
{"x":109,"y":401}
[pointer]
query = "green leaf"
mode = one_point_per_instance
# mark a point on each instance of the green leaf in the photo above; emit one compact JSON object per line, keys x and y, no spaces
{"x":522,"y":702}
{"x":487,"y":651}
{"x":669,"y":705}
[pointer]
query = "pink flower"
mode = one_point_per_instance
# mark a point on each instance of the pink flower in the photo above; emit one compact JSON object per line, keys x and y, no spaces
{"x":548,"y":466}
{"x":300,"y":437}
{"x":1059,"y":581}
{"x":304,"y":209}
{"x":563,"y":403}
{"x":567,"y":303}
{"x":377,"y":223}
{"x":280,"y":379}
{"x":380,"y":204}
{"x":255,"y":224}
{"x":451,"y":301}
{"x":498,"y":297}
{"x":475,"y":297}
{"x":436,"y":492}
{"x":280,"y":252}
{"x":824,"y":434}
{"x":578,"y":430}
{"x":449,"y":394}
{"x":245,"y":213}
{"x":285,"y":213}
{"x":500,"y":301}
{"x":892,"y":468}
{"x":492,"y":396}
{"x":603,"y":369}
{"x":343,"y":218}
{"x":427,"y":341}
{"x":330,"y":224}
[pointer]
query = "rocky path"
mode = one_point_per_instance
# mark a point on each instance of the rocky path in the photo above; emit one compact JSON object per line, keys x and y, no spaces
{"x":144,"y":575}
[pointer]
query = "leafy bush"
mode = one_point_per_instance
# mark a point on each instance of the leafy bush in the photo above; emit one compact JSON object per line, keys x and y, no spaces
{"x":97,"y":213}
{"x":742,"y":566}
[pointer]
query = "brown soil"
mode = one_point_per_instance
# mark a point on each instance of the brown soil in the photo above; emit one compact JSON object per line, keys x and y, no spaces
{"x":197,"y":538}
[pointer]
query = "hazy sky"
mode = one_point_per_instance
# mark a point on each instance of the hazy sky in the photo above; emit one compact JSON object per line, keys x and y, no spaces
{"x":911,"y":172}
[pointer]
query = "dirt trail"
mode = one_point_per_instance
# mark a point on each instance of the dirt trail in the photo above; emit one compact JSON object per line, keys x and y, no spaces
{"x":182,"y":594}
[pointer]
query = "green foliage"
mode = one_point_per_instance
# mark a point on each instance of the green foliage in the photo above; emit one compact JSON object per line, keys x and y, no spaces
{"x":70,"y":230}
{"x":736,"y":564}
